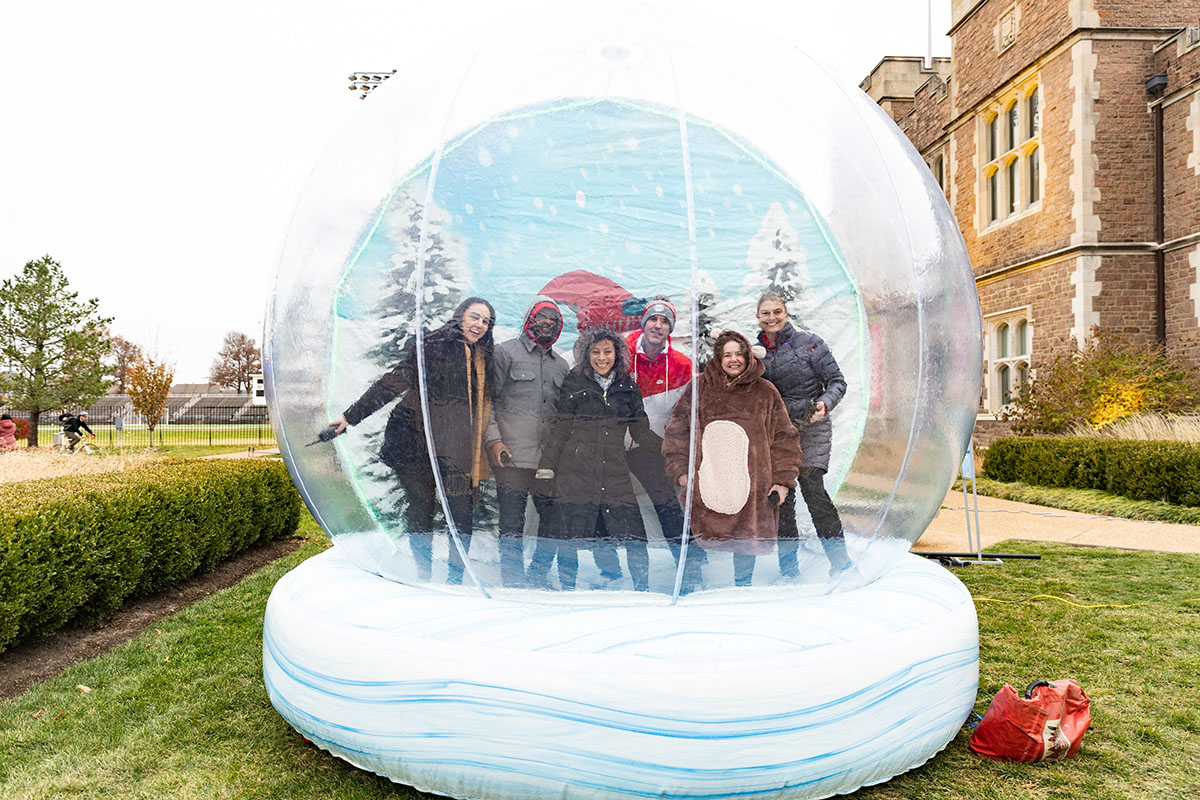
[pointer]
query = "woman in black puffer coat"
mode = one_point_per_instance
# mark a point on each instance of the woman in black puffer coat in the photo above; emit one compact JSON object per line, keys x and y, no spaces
{"x":457,"y":356}
{"x":807,"y":376}
{"x":585,"y":455}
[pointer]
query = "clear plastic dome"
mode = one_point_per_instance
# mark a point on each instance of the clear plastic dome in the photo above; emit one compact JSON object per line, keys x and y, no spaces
{"x":602,"y":161}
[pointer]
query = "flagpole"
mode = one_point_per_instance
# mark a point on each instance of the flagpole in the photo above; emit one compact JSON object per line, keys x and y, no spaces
{"x":929,"y":34}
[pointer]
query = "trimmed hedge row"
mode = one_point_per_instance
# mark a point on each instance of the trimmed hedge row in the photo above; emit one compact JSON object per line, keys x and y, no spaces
{"x":73,"y":549}
{"x":1168,"y":472}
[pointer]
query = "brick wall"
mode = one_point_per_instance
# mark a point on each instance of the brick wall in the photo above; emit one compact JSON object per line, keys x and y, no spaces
{"x":1124,"y":142}
{"x":1047,"y":290}
{"x":1126,"y":300}
{"x":987,"y":431}
{"x":1146,"y":13}
{"x":897,"y":108}
{"x":1183,"y":331}
{"x":929,"y":115}
{"x":1181,"y":190}
{"x":979,"y":67}
{"x":1179,"y":60}
{"x":1181,"y":156}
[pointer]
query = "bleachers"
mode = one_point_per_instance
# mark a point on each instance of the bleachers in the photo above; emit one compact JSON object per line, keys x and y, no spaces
{"x":175,"y":404}
{"x":106,"y":408}
{"x":206,"y":409}
{"x":217,"y":410}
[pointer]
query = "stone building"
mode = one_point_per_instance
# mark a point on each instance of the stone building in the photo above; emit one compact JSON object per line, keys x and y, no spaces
{"x":1066,"y":137}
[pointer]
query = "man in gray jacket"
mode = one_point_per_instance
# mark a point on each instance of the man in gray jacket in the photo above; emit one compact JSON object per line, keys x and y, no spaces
{"x":526,"y":376}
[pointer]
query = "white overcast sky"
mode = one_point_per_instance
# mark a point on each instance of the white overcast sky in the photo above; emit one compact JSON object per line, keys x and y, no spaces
{"x":157,"y":149}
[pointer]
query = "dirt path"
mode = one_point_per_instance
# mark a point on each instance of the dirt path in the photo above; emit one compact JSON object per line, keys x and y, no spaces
{"x":25,"y":665}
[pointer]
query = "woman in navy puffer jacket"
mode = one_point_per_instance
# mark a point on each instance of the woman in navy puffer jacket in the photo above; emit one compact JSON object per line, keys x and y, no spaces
{"x":808,"y":378}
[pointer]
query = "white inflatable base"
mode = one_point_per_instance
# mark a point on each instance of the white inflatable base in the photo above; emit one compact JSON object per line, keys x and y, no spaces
{"x":767,"y":696}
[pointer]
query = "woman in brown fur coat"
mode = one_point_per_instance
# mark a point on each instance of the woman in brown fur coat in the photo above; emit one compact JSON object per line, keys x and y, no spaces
{"x":747,"y":456}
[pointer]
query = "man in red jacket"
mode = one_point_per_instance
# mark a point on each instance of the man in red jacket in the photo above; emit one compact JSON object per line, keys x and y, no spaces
{"x":663,"y":374}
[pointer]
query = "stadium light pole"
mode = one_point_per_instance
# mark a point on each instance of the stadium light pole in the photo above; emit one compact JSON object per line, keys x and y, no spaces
{"x":365,"y":82}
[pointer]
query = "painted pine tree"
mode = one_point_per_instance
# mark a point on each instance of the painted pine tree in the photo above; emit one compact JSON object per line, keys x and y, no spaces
{"x":393,"y":325}
{"x":711,"y":309}
{"x":777,"y":264}
{"x":446,"y":278}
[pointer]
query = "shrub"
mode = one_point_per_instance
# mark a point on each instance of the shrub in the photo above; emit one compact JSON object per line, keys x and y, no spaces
{"x":1108,"y":379}
{"x":73,"y":549}
{"x":1168,"y":472}
{"x":22,"y":428}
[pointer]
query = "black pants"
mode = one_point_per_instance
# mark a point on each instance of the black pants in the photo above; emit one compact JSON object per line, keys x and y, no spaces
{"x":565,"y":551}
{"x":604,"y":552}
{"x":824,"y":516}
{"x":420,"y":492}
{"x":513,"y":486}
{"x":650,"y":469}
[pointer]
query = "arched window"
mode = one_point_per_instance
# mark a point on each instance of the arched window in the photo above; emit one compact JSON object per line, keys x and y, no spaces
{"x":1010,"y":345}
{"x":1009,"y":180}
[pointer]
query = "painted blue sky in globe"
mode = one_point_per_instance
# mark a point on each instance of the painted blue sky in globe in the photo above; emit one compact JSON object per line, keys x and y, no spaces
{"x":600,"y":186}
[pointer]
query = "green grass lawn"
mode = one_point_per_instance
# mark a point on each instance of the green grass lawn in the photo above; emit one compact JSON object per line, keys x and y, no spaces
{"x":181,"y":711}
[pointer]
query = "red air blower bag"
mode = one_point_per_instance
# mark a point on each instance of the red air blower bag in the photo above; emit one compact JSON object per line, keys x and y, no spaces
{"x":1046,"y":725}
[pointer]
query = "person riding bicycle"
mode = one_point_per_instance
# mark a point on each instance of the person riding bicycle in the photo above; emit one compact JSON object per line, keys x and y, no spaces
{"x":71,"y":425}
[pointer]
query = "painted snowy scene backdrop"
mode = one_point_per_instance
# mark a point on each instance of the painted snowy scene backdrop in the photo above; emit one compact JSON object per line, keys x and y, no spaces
{"x":588,"y":201}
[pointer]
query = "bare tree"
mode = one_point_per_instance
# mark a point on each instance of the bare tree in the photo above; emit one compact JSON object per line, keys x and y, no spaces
{"x":124,"y":353}
{"x":237,"y":362}
{"x":148,"y":381}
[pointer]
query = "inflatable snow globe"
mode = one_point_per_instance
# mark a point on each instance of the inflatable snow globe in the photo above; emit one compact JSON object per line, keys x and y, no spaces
{"x":622,"y":359}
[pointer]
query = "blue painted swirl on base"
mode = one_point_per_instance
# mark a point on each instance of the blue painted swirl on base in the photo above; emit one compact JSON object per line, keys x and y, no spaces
{"x":772,"y":695}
